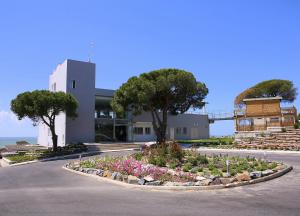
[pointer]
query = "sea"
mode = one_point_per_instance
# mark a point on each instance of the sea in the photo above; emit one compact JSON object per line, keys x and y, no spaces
{"x":12,"y":140}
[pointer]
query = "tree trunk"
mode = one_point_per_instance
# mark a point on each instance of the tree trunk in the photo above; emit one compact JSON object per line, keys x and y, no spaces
{"x":160,"y":127}
{"x":54,"y":139}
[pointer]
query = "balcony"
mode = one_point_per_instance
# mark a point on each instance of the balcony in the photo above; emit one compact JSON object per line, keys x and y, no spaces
{"x":112,"y":121}
{"x":289,"y":111}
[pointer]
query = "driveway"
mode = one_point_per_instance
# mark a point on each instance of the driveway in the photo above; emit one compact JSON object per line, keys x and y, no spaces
{"x":44,"y":188}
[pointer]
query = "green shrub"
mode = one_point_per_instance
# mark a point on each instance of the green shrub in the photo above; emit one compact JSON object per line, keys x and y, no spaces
{"x":297,"y":125}
{"x":216,"y":172}
{"x":175,"y":151}
{"x":187,"y":167}
{"x":196,"y":169}
{"x":202,"y":159}
{"x":160,"y":161}
{"x":152,"y":160}
{"x":272,"y":165}
{"x":173,"y":164}
{"x":138,"y":156}
{"x":211,"y":166}
{"x":192,"y":160}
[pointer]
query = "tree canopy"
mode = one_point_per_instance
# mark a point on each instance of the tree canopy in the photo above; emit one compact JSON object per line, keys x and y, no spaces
{"x":269,"y":88}
{"x":160,"y":92}
{"x":43,"y":106}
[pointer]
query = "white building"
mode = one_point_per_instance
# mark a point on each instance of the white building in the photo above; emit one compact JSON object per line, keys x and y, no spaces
{"x":96,"y":121}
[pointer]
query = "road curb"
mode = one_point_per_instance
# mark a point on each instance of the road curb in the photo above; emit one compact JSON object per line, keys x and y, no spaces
{"x":73,"y":156}
{"x":183,"y":188}
{"x":249,"y":150}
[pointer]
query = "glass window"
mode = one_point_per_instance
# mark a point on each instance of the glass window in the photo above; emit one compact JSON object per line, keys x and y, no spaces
{"x":178,"y":130}
{"x":147,"y":130}
{"x":138,"y":130}
{"x":73,"y":84}
{"x":184,"y":130}
{"x":274,"y":119}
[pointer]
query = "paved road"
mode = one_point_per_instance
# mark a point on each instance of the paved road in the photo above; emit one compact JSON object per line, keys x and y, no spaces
{"x":46,"y":189}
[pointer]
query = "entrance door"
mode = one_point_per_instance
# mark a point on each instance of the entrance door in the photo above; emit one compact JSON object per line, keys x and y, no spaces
{"x":172,"y":133}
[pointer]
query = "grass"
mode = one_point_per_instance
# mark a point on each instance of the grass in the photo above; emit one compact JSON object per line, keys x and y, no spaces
{"x":209,"y":142}
{"x":41,"y":154}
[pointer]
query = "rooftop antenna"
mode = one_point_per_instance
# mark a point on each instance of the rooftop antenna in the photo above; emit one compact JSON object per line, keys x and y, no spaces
{"x":92,"y":45}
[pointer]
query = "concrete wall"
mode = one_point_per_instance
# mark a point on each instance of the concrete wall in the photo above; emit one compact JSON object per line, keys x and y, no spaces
{"x":197,"y":127}
{"x":82,"y":129}
{"x":57,"y":82}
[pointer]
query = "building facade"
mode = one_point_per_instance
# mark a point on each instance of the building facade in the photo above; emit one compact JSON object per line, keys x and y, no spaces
{"x":96,"y":120}
{"x":264,"y":114}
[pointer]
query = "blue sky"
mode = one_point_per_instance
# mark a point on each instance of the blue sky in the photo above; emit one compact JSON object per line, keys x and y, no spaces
{"x":229,"y":45}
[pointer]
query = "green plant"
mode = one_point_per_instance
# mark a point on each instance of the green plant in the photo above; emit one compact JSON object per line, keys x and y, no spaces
{"x":297,"y":125}
{"x":192,"y":160}
{"x":44,"y":106}
{"x":173,"y":164}
{"x":138,"y":156}
{"x":187,"y":167}
{"x":161,"y":92}
{"x":160,"y":161}
{"x":175,"y":151}
{"x":202,"y":159}
{"x":216,"y":172}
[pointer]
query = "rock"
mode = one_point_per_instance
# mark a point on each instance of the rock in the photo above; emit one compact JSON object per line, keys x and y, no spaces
{"x":148,"y":178}
{"x":141,"y":181}
{"x":100,"y":172}
{"x":125,"y":178}
{"x":168,"y":184}
{"x":198,"y":183}
{"x":206,"y":182}
{"x":91,"y":171}
{"x":188,"y":184}
{"x":226,"y":181}
{"x":216,"y":181}
{"x":171,"y":172}
{"x":107,"y":174}
{"x":279,"y":167}
{"x":212,"y":177}
{"x":243,"y":177}
{"x":255,"y":174}
{"x":200,"y":178}
{"x":267,"y":172}
{"x":132,"y":179}
{"x":153,"y":183}
{"x":117,"y":176}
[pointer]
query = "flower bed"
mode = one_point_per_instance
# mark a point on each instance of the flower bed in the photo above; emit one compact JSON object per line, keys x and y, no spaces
{"x":170,"y":166}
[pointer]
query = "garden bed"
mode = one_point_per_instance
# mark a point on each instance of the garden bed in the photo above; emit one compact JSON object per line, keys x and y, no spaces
{"x":24,"y":156}
{"x":168,"y":165}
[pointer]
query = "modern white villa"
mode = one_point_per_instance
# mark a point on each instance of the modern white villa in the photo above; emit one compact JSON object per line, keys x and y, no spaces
{"x":96,"y":120}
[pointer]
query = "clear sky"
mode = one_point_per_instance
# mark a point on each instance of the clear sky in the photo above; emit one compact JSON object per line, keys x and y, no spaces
{"x":229,"y":45}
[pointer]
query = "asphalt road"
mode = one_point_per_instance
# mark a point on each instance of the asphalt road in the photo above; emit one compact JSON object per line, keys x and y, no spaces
{"x":44,"y":189}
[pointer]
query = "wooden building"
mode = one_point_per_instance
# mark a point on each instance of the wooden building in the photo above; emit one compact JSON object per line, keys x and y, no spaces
{"x":263,"y":114}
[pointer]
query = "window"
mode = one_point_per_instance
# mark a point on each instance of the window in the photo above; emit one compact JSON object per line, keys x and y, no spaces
{"x":138,"y":130}
{"x":73,"y":84}
{"x":181,"y":131}
{"x":178,"y":130}
{"x":274,"y":120}
{"x":147,"y":130}
{"x":54,"y":87}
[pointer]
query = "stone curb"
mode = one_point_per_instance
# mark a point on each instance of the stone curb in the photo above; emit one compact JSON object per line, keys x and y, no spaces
{"x":249,"y":150}
{"x":183,"y":188}
{"x":72,"y":156}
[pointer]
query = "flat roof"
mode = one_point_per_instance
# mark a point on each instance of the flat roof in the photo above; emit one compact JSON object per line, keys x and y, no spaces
{"x":104,"y":92}
{"x":262,"y":99}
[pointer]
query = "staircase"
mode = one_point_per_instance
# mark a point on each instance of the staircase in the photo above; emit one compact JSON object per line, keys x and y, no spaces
{"x":289,"y":140}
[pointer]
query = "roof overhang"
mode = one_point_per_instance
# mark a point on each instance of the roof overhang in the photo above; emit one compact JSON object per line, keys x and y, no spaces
{"x":262,"y":99}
